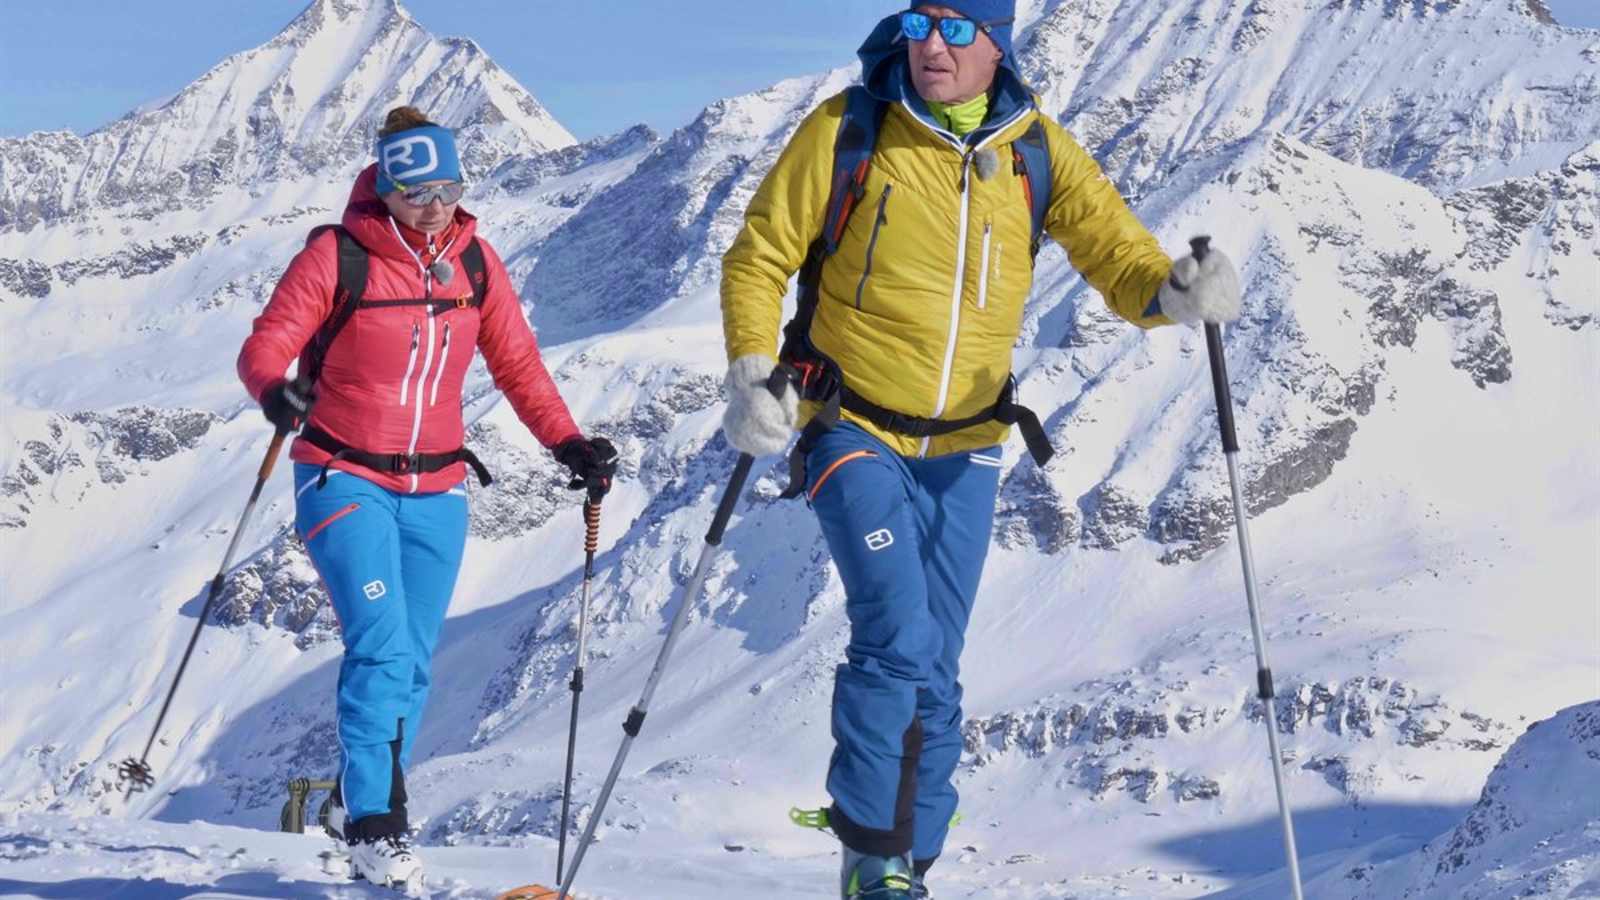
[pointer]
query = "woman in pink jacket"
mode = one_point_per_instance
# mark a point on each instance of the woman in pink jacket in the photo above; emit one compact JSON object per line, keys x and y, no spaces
{"x":379,"y":464}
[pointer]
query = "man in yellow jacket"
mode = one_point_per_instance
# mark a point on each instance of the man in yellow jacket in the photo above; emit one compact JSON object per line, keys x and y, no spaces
{"x":911,"y":306}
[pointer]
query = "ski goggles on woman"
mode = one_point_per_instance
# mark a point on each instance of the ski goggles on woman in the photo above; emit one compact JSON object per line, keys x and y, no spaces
{"x":424,"y":194}
{"x":957,"y":31}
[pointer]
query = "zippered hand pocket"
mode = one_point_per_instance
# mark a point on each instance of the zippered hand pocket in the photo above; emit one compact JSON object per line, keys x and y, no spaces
{"x":881,"y":220}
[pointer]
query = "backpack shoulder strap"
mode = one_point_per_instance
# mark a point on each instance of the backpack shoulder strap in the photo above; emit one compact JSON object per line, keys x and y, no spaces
{"x":472,"y":261}
{"x":853,"y":144}
{"x":1030,"y":155}
{"x":852,"y":158}
{"x":353,"y":264}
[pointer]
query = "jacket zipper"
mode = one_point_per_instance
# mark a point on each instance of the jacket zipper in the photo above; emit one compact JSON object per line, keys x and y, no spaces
{"x":427,"y":359}
{"x":416,"y":419}
{"x":955,"y":295}
{"x":961,"y":246}
{"x":983,"y":274}
{"x":872,"y":242}
{"x":411,"y":364}
{"x":444,"y":353}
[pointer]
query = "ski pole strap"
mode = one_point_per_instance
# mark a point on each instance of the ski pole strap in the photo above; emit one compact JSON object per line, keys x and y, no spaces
{"x":393,"y":463}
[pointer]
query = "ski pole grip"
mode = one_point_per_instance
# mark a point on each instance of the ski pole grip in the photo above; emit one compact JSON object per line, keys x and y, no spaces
{"x":266,"y":463}
{"x":591,"y":526}
{"x":1219,"y":384}
{"x":1200,"y":246}
{"x":730,"y":496}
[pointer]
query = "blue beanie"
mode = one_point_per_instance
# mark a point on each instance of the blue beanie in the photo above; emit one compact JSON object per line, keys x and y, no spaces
{"x":408,"y":158}
{"x":986,"y":11}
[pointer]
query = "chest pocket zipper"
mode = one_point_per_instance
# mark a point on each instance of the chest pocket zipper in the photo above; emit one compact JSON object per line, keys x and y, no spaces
{"x":872,"y":242}
{"x":983,"y":271}
{"x":444,"y":352}
{"x":411,"y":363}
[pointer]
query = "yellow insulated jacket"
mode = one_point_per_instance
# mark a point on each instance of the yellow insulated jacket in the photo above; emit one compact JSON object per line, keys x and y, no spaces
{"x":922,"y":302}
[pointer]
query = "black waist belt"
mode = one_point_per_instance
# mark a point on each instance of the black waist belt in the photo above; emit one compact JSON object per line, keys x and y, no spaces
{"x":391,"y":463}
{"x":1005,"y":411}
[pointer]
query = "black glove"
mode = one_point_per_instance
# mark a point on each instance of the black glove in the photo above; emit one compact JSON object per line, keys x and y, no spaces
{"x":593,"y":462}
{"x":287,"y":405}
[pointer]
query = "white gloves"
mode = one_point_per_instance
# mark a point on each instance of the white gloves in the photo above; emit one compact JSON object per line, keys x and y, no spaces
{"x":756,"y":422}
{"x":1201,"y":291}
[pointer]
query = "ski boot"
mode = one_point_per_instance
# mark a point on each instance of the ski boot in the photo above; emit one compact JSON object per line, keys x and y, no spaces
{"x":919,"y":889}
{"x":388,"y":862}
{"x":863,"y":877}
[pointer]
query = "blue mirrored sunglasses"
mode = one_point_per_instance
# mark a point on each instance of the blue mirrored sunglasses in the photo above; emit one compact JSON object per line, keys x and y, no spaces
{"x":957,"y":31}
{"x":422,"y":195}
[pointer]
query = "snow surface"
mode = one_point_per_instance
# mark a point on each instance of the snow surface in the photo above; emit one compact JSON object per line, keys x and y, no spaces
{"x":1414,"y":378}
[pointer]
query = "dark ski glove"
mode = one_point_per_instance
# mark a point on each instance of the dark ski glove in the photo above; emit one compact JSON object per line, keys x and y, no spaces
{"x":593,"y":462}
{"x":287,"y":405}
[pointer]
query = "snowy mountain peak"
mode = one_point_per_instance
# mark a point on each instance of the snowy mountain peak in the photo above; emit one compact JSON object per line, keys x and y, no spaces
{"x":323,"y":17}
{"x":306,"y":104}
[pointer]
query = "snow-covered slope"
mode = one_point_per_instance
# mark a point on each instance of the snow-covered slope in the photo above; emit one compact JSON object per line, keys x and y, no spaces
{"x":1447,"y":93}
{"x":1420,"y":334}
{"x":1529,"y":835}
{"x":1534,"y":832}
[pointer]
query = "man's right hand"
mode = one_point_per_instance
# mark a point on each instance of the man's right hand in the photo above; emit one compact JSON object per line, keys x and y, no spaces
{"x":757,"y":422}
{"x":287,"y":405}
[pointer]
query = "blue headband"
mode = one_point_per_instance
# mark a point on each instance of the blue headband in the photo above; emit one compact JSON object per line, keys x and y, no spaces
{"x":408,"y":158}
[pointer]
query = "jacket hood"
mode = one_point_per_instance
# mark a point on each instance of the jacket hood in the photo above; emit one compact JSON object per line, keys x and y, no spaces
{"x":367,"y":219}
{"x":886,"y":74}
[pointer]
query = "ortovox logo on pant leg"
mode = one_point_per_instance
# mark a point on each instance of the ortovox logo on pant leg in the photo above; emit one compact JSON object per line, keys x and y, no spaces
{"x":880,"y":539}
{"x":374,"y":589}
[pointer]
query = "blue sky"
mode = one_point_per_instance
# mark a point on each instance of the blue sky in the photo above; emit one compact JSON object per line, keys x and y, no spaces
{"x":599,"y":66}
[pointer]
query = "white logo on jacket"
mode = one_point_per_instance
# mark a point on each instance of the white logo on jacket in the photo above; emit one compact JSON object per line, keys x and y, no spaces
{"x":400,"y":153}
{"x":880,"y":539}
{"x":374,"y":589}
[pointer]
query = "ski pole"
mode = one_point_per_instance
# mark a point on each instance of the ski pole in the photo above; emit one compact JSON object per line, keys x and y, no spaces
{"x":776,"y":383}
{"x":591,"y":541}
{"x":1201,"y":246}
{"x":137,"y":772}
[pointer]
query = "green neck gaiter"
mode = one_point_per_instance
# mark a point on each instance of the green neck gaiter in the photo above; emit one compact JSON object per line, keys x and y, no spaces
{"x":961,"y":119}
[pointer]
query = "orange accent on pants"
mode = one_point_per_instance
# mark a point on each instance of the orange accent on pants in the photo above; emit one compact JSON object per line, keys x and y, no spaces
{"x":859,"y":454}
{"x":332,"y":519}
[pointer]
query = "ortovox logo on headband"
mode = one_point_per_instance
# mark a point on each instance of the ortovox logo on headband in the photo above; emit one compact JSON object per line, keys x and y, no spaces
{"x":879,"y":539}
{"x":418,"y":152}
{"x":374,"y":589}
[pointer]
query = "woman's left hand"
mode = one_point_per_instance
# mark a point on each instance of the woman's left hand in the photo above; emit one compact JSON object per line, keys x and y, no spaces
{"x":593,"y":463}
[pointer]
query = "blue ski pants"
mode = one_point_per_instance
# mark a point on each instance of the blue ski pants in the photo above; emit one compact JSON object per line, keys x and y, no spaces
{"x":909,"y":537}
{"x":390,"y":562}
